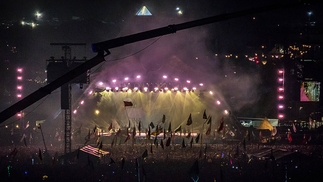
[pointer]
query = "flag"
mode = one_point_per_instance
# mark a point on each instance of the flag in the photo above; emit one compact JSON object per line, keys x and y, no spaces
{"x":197,"y":138}
{"x":110,"y":127}
{"x":168,"y":142}
{"x":127,"y":103}
{"x":189,"y":120}
{"x":152,"y":125}
{"x":170,"y":127}
{"x":40,"y":155}
{"x":122,"y":162}
{"x":294,"y":128}
{"x":179,"y":129}
{"x":204,"y":115}
{"x":111,"y":161}
{"x":134,"y":132}
{"x":94,"y":129}
{"x":188,"y":135}
{"x":209,"y":120}
{"x":164,"y":134}
{"x":128,"y":138}
{"x":183,"y":143}
{"x":25,"y":141}
{"x":194,"y":170}
{"x":289,"y":137}
{"x":208,"y":131}
{"x":164,"y":119}
{"x":148,"y":135}
{"x":220,"y":128}
{"x":145,"y":154}
{"x":162,"y":144}
{"x":27,"y":125}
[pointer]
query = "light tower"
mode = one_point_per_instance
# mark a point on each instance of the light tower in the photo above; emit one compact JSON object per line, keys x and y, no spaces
{"x":55,"y":69}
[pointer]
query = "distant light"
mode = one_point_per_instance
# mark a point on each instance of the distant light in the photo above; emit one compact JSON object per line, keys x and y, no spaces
{"x":309,"y":13}
{"x":176,"y":79}
{"x":226,"y":112}
{"x":19,"y":70}
{"x":201,"y":84}
{"x":280,"y":116}
{"x":75,"y":111}
{"x":281,"y":89}
{"x":194,"y":88}
{"x":82,"y":102}
{"x":97,"y":112}
{"x":175,"y":88}
{"x":19,"y":78}
{"x":126,"y":78}
{"x":114,"y":81}
{"x":280,"y":106}
{"x":116,"y":88}
{"x":90,"y":92}
{"x":165,"y":88}
{"x":165,"y":76}
{"x":100,"y":83}
{"x":185,"y":89}
{"x":177,"y":8}
{"x":138,"y":76}
{"x":280,"y":97}
{"x":19,"y":87}
{"x":23,"y":23}
{"x":19,"y":114}
{"x":180,"y":12}
{"x":19,"y":95}
{"x":188,"y":81}
{"x":156,"y":88}
{"x":280,"y":71}
{"x":107,"y":88}
{"x":280,"y":79}
{"x":211,"y":92}
{"x":136,"y":88}
{"x":218,"y":102}
{"x":17,"y":126}
{"x":145,"y":89}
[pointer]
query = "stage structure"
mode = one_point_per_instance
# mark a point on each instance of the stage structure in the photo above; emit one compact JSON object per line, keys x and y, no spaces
{"x":55,"y":69}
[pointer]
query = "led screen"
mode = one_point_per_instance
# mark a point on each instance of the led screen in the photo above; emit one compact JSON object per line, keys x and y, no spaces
{"x":310,"y":91}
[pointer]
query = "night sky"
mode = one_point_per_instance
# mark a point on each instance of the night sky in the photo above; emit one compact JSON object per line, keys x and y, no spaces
{"x":95,"y":21}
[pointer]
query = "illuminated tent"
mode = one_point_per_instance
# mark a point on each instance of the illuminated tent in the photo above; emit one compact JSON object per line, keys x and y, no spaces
{"x":265,"y":125}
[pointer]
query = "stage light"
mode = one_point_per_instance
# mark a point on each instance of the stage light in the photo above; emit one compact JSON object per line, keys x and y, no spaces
{"x":193,"y":89}
{"x":19,"y":87}
{"x":126,"y":78}
{"x":138,"y":76}
{"x":136,"y":89}
{"x":155,"y":89}
{"x":145,"y":89}
{"x":226,"y":112}
{"x":211,"y":92}
{"x":280,"y":79}
{"x":97,"y":112}
{"x":280,"y":97}
{"x":281,"y":89}
{"x":280,"y":106}
{"x":185,"y":89}
{"x":165,"y":76}
{"x":188,"y":81}
{"x":19,"y":78}
{"x":201,"y":84}
{"x":176,"y":79}
{"x":280,"y":116}
{"x":19,"y":95}
{"x":90,"y":92}
{"x":280,"y":71}
{"x":75,"y":111}
{"x":165,"y":88}
{"x":218,"y":102}
{"x":82,"y":102}
{"x":107,"y":88}
{"x":175,"y":89}
{"x":19,"y":70}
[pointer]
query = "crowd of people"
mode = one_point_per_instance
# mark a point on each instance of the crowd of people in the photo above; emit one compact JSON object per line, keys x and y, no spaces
{"x":146,"y":160}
